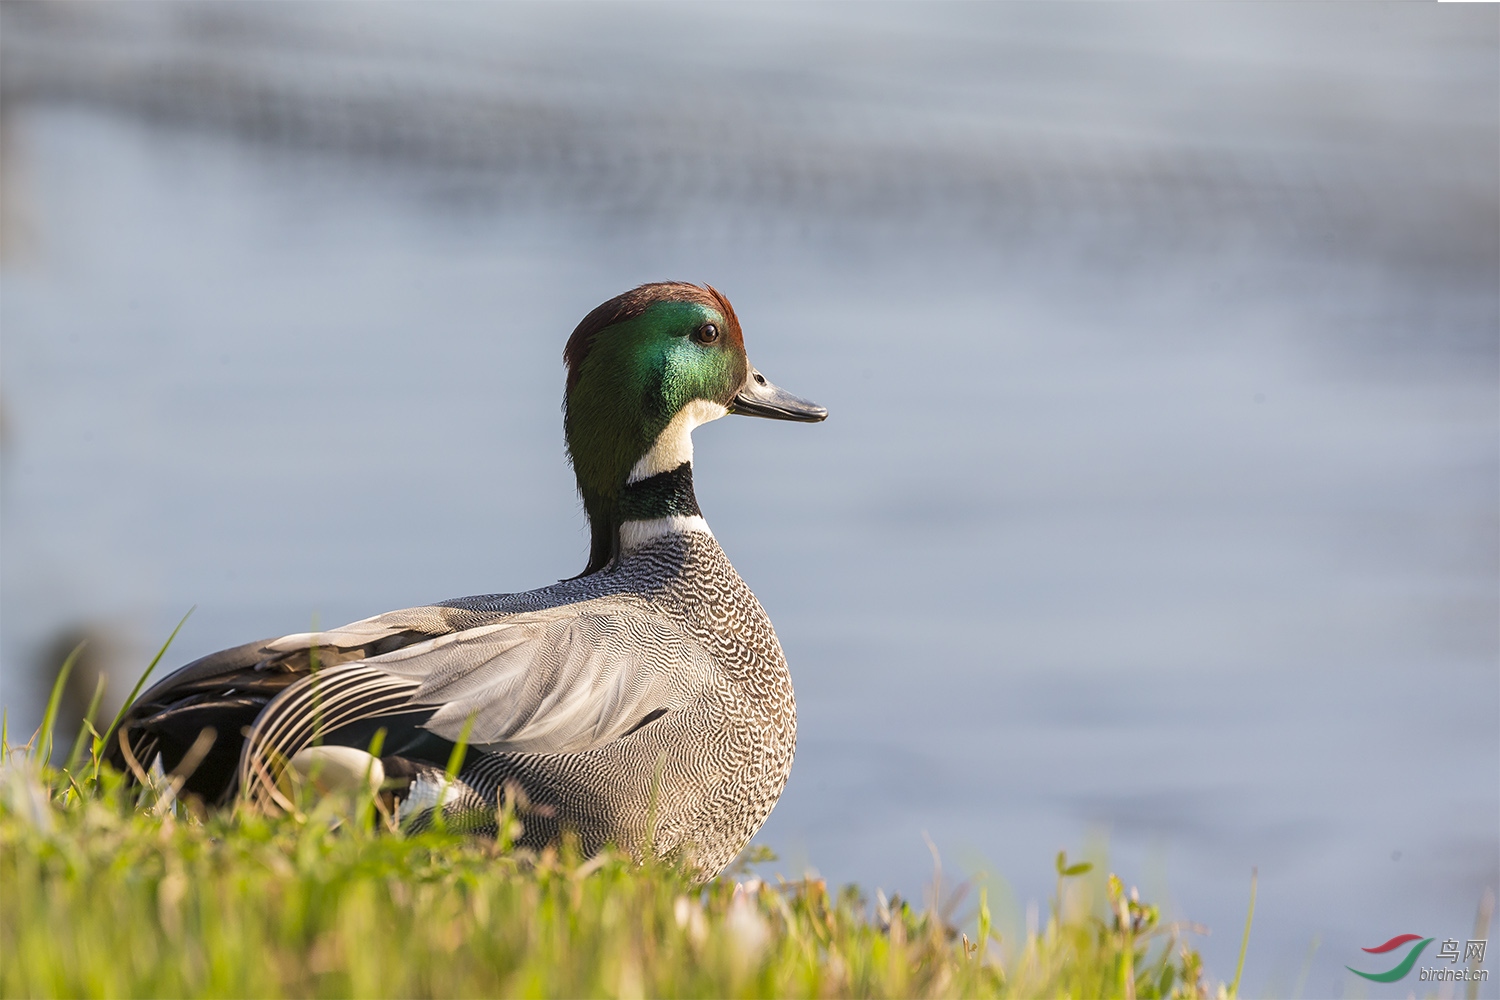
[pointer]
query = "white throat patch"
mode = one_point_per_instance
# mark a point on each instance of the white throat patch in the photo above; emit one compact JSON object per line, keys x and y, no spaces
{"x":634,"y":534}
{"x":674,"y":445}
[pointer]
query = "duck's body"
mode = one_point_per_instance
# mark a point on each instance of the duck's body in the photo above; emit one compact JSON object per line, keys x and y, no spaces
{"x":645,"y":703}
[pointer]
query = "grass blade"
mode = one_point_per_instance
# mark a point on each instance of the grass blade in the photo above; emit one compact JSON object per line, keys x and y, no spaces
{"x":135,"y":691}
{"x":87,"y":726}
{"x":1239,"y":968}
{"x":450,"y":773}
{"x":370,"y":805}
{"x":1481,"y":933}
{"x":43,"y":749}
{"x":460,"y":749}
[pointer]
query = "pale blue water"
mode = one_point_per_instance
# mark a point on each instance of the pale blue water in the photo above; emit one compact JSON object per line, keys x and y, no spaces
{"x":1159,"y":496}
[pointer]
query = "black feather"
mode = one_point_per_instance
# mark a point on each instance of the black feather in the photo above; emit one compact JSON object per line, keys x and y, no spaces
{"x":227,"y":691}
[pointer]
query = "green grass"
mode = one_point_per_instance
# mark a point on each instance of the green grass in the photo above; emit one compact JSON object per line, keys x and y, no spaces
{"x":114,"y":889}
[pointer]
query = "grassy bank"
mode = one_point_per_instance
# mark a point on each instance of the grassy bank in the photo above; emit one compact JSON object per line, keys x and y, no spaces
{"x":117,"y":890}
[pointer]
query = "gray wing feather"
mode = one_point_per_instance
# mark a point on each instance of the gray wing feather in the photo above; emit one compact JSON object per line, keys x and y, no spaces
{"x":430,"y":619}
{"x":559,"y":681}
{"x":563,"y":680}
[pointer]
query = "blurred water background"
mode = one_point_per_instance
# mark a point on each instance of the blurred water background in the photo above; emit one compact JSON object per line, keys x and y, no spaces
{"x":1159,"y":497}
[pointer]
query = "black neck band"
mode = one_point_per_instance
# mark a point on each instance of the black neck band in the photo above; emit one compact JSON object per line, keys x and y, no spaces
{"x":666,"y":494}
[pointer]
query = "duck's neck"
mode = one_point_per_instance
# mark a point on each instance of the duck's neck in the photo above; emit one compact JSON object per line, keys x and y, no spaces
{"x":631,"y":501}
{"x":657,"y":505}
{"x":646,"y":508}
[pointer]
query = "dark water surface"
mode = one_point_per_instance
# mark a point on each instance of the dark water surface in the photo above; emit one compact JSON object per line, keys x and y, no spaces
{"x":1158,"y":501}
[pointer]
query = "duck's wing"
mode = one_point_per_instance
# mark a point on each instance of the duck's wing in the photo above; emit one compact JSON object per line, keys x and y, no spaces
{"x":226,"y":691}
{"x":562,"y":680}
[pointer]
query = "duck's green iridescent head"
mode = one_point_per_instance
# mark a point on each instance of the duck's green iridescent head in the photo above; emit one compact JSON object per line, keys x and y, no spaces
{"x":644,"y":369}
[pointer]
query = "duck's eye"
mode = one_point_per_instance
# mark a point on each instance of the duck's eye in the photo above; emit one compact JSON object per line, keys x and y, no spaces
{"x":707,"y":333}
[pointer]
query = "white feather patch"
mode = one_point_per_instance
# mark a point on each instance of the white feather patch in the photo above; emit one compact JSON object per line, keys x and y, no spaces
{"x":674,"y":445}
{"x":426,"y":792}
{"x":338,"y":769}
{"x":634,"y":534}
